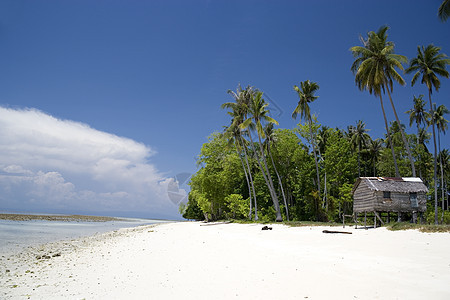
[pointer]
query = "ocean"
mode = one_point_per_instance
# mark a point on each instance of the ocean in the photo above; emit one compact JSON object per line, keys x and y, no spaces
{"x":18,"y":235}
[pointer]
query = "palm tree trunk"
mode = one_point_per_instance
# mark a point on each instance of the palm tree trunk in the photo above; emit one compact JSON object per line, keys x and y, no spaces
{"x":325,"y":192}
{"x":276,"y":204}
{"x":279,"y":181}
{"x":420,"y":158}
{"x":442,"y":175}
{"x":374,"y":169}
{"x":315,"y":155}
{"x":251,"y":179}
{"x":435,"y":162}
{"x":397,"y":174}
{"x":246,"y":178}
{"x":413,"y":168}
{"x":324,"y":200}
{"x":359,"y":165}
{"x":271,"y":191}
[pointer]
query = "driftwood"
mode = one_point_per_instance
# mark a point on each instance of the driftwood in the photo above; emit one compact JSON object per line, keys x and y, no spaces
{"x":266,"y":228}
{"x":215,"y":223}
{"x":332,"y":231}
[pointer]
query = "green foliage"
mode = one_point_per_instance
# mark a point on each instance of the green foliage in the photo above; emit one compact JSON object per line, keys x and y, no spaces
{"x":220,"y":189}
{"x":237,"y":205}
{"x":430,"y":216}
{"x":421,"y":227}
{"x":192,"y":211}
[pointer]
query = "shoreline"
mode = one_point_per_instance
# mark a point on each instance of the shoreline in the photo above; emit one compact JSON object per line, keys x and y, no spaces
{"x":59,"y":218}
{"x":224,"y":261}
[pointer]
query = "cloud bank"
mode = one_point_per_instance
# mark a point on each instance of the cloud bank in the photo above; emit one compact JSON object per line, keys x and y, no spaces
{"x":53,"y":165}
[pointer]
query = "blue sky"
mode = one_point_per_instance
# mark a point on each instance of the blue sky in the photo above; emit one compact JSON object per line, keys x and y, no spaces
{"x":148,"y":78}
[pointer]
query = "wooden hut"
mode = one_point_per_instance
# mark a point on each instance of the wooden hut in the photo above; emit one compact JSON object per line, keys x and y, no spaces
{"x":384,"y":194}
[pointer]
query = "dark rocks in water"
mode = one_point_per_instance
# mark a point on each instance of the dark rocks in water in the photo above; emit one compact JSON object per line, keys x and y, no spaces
{"x":60,"y":218}
{"x":266,"y":228}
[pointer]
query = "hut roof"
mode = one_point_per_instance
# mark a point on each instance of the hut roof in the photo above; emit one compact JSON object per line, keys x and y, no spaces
{"x":390,"y":184}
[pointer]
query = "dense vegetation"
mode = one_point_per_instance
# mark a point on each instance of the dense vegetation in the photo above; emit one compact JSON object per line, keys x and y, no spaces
{"x":253,"y":171}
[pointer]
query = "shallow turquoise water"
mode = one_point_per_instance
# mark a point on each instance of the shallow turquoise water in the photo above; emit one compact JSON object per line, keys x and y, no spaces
{"x":17,"y":235}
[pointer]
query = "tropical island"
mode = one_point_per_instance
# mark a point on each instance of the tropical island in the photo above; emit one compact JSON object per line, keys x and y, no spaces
{"x":252,"y":171}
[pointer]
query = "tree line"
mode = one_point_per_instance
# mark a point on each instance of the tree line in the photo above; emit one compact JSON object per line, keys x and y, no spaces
{"x":253,"y":171}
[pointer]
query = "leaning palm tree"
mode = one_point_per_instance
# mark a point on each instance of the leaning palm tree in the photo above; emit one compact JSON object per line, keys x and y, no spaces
{"x":441,"y":125}
{"x":375,"y":71}
{"x":271,"y":139}
{"x":429,"y":63}
{"x":306,"y":95}
{"x":444,"y":10}
{"x":259,"y":114}
{"x":359,"y":139}
{"x":238,"y":111}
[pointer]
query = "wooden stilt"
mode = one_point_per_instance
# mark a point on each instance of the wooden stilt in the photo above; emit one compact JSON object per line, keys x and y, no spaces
{"x":343,"y":220}
{"x":374,"y":219}
{"x":389,"y":217}
{"x":356,"y":220}
{"x":379,"y":218}
{"x":365,"y":220}
{"x":399,"y":217}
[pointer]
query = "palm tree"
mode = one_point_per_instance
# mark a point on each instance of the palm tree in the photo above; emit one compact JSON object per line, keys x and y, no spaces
{"x":419,"y":115}
{"x":271,"y":138}
{"x":375,"y":71}
{"x":441,"y":125}
{"x":239,"y":110}
{"x":360,"y":138}
{"x":259,"y":115}
{"x":374,"y":150}
{"x":429,"y":63}
{"x":444,"y":10}
{"x":306,"y":96}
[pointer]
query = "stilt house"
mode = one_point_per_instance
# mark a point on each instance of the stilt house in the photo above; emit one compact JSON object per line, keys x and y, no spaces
{"x":386,"y":194}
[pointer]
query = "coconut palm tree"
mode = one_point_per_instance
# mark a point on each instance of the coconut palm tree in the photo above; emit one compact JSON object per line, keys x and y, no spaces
{"x":238,"y":111}
{"x":374,"y":151}
{"x":306,"y":95}
{"x":359,"y":139}
{"x":418,"y":115}
{"x":259,"y":114}
{"x":374,"y":70}
{"x":429,"y":63}
{"x":444,"y":10}
{"x":441,"y":125}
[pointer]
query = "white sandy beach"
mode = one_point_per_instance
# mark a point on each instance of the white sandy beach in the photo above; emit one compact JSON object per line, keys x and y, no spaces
{"x":190,"y":261}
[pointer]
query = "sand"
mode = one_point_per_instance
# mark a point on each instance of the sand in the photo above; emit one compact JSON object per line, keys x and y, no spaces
{"x":233,"y":261}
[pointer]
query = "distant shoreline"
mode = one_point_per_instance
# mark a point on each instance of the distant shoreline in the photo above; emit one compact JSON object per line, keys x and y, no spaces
{"x":60,"y":218}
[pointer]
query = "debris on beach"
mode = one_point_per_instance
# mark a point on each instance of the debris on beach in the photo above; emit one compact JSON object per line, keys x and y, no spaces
{"x":333,"y":231}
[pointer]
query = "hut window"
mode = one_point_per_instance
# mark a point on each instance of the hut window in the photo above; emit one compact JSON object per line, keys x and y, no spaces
{"x":387,"y":195}
{"x":413,"y":199}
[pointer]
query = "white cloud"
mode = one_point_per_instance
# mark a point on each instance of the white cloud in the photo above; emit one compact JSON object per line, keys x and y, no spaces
{"x":51,"y":163}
